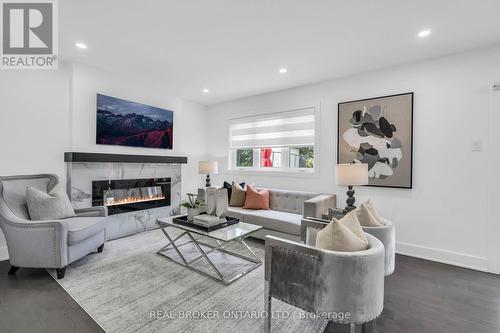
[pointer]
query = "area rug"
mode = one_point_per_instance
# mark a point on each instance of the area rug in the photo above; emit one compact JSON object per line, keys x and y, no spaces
{"x":130,"y":288}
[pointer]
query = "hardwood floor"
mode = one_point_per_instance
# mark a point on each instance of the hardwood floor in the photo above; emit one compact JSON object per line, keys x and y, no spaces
{"x":32,"y":301}
{"x":427,"y":297}
{"x":420,"y":297}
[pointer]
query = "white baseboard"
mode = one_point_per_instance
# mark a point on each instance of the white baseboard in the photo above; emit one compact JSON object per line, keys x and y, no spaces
{"x":4,"y":254}
{"x":443,"y":256}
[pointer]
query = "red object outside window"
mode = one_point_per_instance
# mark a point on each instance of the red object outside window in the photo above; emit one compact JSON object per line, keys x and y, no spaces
{"x":265,"y":157}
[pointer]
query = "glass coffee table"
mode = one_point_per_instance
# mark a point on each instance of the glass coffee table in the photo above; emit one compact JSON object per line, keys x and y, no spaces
{"x":191,"y":252}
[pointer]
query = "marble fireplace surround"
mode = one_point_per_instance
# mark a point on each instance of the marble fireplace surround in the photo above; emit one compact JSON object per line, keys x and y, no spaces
{"x":83,"y":168}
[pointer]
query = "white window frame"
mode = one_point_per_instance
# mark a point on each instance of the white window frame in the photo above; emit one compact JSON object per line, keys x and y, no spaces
{"x":285,"y":169}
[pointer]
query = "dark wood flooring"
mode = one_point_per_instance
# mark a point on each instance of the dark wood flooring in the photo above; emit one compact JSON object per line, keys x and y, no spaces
{"x":33,"y":302}
{"x":428,"y":297}
{"x":420,"y":297}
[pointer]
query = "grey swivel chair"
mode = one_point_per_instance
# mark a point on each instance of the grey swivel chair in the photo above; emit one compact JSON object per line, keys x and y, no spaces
{"x":386,"y":234}
{"x":346,"y":287}
{"x":46,"y":244}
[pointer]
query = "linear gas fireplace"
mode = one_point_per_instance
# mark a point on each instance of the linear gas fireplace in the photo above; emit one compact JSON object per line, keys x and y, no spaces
{"x":128,"y":195}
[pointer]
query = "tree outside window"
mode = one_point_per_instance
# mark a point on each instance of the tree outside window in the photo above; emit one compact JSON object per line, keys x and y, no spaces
{"x":244,"y":158}
{"x":301,"y":157}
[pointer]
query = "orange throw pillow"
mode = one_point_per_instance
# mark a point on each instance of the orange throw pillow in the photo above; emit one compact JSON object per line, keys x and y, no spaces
{"x":256,"y":199}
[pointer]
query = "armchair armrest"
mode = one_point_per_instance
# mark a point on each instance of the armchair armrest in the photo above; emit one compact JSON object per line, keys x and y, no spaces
{"x":295,"y":248}
{"x":311,"y":222}
{"x":316,"y":206}
{"x":97,"y":211}
{"x":36,"y":244}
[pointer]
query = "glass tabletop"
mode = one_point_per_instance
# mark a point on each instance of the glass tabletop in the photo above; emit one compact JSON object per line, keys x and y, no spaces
{"x":235,"y":231}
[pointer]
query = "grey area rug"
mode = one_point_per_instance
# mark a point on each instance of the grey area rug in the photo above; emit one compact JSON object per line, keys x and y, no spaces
{"x":130,"y":288}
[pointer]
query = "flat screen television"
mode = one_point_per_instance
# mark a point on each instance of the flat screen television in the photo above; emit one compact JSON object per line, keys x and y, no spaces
{"x":126,"y":123}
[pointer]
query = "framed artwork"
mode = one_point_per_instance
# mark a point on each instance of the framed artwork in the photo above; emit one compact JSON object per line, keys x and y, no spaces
{"x":125,"y":123}
{"x":379,"y":132}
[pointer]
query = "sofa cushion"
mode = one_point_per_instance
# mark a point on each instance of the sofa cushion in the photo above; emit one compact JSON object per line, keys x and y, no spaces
{"x":256,"y":199}
{"x":344,"y":235}
{"x":229,"y":187}
{"x":44,"y":206}
{"x":81,"y":228}
{"x":237,"y":212}
{"x":238,"y":195}
{"x":289,"y":201}
{"x":368,"y":215}
{"x":367,"y":218}
{"x":270,"y":219}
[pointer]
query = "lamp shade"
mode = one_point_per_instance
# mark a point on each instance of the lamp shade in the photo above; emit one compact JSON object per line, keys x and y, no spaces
{"x":208,"y":167}
{"x":351,"y":174}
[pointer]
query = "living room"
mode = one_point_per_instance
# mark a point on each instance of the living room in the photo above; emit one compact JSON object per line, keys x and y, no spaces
{"x":308,"y":167}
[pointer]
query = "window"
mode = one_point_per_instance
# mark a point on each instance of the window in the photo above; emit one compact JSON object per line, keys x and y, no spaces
{"x":244,"y":158}
{"x":301,"y":157}
{"x":276,"y":142}
{"x":270,"y":158}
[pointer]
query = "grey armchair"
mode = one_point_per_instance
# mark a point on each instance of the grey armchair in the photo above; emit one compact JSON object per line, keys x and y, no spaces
{"x":386,"y":234}
{"x":46,"y":244}
{"x":345,"y":287}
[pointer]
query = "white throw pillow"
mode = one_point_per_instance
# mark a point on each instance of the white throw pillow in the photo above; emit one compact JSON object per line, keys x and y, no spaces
{"x":344,"y":235}
{"x":368,"y":215}
{"x":54,"y":205}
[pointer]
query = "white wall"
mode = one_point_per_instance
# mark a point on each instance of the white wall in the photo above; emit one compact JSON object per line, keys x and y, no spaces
{"x":494,"y":181}
{"x":189,"y":118}
{"x":45,"y":113}
{"x":34,"y":123}
{"x":445,"y":216}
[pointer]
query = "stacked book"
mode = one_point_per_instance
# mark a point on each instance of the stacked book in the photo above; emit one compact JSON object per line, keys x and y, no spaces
{"x":208,"y":220}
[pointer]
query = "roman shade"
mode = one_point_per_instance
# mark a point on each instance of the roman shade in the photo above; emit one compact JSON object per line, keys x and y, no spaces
{"x":284,"y":129}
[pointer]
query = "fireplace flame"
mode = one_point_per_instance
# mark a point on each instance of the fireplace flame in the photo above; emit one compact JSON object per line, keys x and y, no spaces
{"x":130,"y":199}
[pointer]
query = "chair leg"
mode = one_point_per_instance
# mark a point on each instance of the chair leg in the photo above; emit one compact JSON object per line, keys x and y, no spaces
{"x":100,"y":248}
{"x":60,"y":273}
{"x":13,"y":270}
{"x":267,"y":307}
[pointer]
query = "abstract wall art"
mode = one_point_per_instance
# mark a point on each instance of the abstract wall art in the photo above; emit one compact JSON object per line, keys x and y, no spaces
{"x":379,"y":132}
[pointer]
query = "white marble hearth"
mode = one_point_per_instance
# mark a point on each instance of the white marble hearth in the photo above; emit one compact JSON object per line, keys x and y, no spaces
{"x":81,"y":174}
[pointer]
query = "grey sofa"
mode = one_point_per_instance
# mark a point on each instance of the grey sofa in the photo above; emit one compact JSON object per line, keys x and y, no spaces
{"x":46,"y":244}
{"x":345,"y":287}
{"x":386,"y":234}
{"x":287,"y":209}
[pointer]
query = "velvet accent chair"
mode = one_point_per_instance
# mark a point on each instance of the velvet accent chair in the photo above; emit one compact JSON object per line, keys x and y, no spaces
{"x":46,"y":244}
{"x":386,"y":234}
{"x":346,"y":287}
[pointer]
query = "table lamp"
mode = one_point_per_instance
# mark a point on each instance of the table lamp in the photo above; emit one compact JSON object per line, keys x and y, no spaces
{"x":207,"y":168}
{"x":350,"y":175}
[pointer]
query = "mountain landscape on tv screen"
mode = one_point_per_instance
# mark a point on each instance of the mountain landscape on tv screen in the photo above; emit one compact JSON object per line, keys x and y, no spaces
{"x":125,"y":123}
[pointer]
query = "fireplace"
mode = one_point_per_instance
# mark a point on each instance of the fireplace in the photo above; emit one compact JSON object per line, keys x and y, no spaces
{"x":128,"y":195}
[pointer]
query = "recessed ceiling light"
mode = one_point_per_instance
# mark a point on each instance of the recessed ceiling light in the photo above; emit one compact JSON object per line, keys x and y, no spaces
{"x":206,"y":91}
{"x":424,"y":33}
{"x":283,"y":70}
{"x":81,"y":45}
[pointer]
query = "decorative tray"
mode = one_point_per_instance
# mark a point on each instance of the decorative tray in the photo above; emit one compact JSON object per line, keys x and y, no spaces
{"x":182,"y":220}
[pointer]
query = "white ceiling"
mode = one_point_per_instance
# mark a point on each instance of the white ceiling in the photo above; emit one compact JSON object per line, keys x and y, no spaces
{"x":236,"y":47}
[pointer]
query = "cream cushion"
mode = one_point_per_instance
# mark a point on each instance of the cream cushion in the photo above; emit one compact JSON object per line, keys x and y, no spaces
{"x":345,"y":235}
{"x":44,"y":206}
{"x":368,"y":215}
{"x":238,"y":196}
{"x":371,"y":206}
